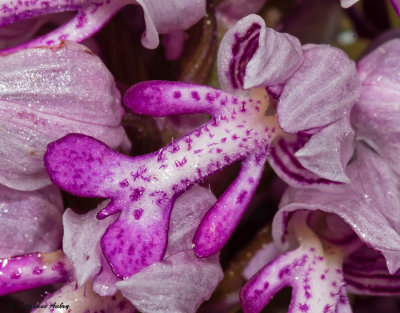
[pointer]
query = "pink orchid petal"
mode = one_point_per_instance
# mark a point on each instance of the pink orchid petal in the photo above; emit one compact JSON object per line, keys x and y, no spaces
{"x":277,"y":58}
{"x":376,"y":113}
{"x":326,"y":96}
{"x":328,"y":151}
{"x":179,"y":283}
{"x":82,"y":249}
{"x":41,"y":103}
{"x":30,"y":221}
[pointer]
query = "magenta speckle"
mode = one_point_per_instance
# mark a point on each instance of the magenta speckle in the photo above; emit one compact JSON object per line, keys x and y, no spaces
{"x":303,"y":307}
{"x":136,"y":194}
{"x":124,"y":183}
{"x":177,"y":94}
{"x":195,"y":95}
{"x":16,"y":274}
{"x":37,"y":270}
{"x":138,"y":213}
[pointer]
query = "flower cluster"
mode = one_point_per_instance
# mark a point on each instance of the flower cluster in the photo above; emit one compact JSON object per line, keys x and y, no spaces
{"x":327,"y":126}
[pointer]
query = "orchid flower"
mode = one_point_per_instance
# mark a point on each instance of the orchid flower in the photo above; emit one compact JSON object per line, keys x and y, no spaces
{"x":244,"y":127}
{"x":92,"y":15}
{"x":341,"y":250}
{"x":45,"y":94}
{"x":355,"y":243}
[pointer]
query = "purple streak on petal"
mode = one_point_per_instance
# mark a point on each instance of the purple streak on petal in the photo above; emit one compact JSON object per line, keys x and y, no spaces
{"x":376,"y":114}
{"x":237,"y":48}
{"x":30,"y":221}
{"x":282,"y":159}
{"x":162,"y":98}
{"x":33,"y":270}
{"x":278,"y":57}
{"x":322,"y":91}
{"x":223,"y":217}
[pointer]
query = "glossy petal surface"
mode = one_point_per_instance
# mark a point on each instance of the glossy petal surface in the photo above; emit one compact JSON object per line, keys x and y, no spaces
{"x":45,"y":94}
{"x":30,"y":221}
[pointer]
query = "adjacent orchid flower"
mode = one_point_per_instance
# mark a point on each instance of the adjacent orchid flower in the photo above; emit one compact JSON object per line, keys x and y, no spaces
{"x":358,"y":235}
{"x":339,"y":250}
{"x":46,"y":93}
{"x":243,"y":127}
{"x":92,"y":15}
{"x":178,"y":283}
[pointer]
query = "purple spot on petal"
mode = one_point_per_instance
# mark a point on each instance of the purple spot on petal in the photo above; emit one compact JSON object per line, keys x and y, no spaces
{"x":124,"y":183}
{"x":303,"y":307}
{"x":241,"y":196}
{"x":177,"y":94}
{"x":138,"y":213}
{"x":195,"y":95}
{"x":136,"y":194}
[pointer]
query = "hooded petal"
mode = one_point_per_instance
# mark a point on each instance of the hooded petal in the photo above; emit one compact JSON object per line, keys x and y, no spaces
{"x":45,"y":94}
{"x":236,"y":49}
{"x":181,"y":281}
{"x":30,"y":221}
{"x":322,"y":91}
{"x":377,"y":113}
{"x":369,"y":205}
